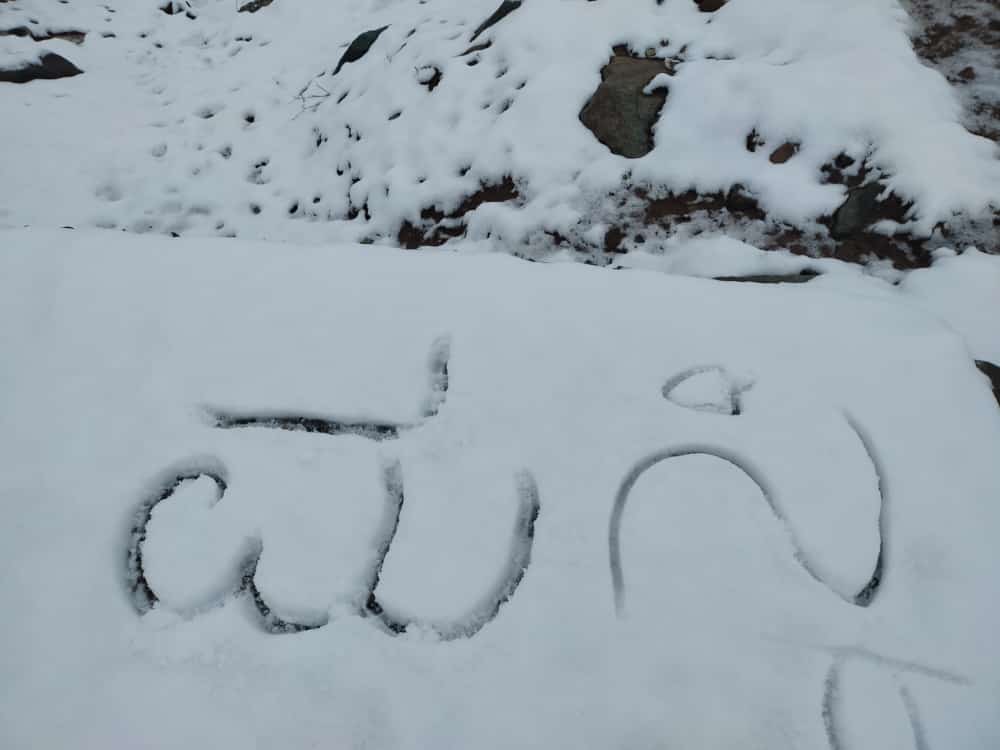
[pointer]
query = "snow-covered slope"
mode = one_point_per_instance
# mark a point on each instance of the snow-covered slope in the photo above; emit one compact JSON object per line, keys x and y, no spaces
{"x":218,"y":122}
{"x":623,"y":510}
{"x":272,"y":481}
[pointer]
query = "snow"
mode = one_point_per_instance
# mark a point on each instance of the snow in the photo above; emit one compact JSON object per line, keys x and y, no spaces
{"x":865,"y":441}
{"x":962,"y":290}
{"x":236,"y":124}
{"x":18,"y":53}
{"x":301,"y":488}
{"x":719,"y":255}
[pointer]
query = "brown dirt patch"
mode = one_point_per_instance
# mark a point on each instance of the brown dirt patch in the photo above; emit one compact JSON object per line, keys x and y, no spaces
{"x":436,"y":227}
{"x":961,"y":39}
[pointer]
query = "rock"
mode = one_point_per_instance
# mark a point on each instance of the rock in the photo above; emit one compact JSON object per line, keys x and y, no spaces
{"x":709,"y":6}
{"x":359,"y":47}
{"x":863,"y":208}
{"x":672,"y":208}
{"x":992,"y":372}
{"x":619,"y":114}
{"x":784,"y":152}
{"x":506,"y":8}
{"x":177,"y":7}
{"x":436,"y":227}
{"x":857,"y":212}
{"x":613,"y":240}
{"x":50,"y":66}
{"x":254,"y":5}
{"x":773,"y":278}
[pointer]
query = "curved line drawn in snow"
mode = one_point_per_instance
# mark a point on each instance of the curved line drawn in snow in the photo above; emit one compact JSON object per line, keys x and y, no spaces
{"x":913,"y":714}
{"x":144,"y":597}
{"x":731,"y":405}
{"x":833,"y":689}
{"x":862,"y":599}
{"x":522,"y":541}
{"x":868,"y":591}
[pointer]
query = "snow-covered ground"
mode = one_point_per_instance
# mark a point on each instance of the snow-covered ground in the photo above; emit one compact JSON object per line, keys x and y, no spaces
{"x":608,"y":509}
{"x":275,"y":482}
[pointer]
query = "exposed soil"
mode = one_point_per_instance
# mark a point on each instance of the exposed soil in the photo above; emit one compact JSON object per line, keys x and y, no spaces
{"x":436,"y":227}
{"x":680,"y":207}
{"x":846,"y":235}
{"x":961,"y":39}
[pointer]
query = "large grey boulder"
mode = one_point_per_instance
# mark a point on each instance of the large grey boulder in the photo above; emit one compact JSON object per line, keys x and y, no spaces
{"x":619,"y":114}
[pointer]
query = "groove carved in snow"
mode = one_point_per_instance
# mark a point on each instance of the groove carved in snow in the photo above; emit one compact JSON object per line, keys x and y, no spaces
{"x":144,"y":596}
{"x":862,"y":599}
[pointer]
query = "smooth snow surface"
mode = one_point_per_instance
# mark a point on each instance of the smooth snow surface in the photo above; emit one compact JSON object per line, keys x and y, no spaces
{"x":362,"y":440}
{"x":964,"y":290}
{"x":235,"y":124}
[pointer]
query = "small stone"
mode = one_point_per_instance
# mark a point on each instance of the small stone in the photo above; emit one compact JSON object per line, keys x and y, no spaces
{"x":857,"y":212}
{"x":506,"y":8}
{"x":359,"y":47}
{"x":253,"y":6}
{"x":613,"y":240}
{"x":784,"y":152}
